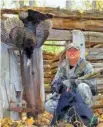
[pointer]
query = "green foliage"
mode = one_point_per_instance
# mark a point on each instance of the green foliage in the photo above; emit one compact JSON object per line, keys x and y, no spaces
{"x":88,"y":5}
{"x":53,"y":49}
{"x":99,"y":4}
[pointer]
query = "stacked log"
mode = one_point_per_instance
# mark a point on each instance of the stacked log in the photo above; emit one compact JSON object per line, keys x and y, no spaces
{"x":51,"y":62}
{"x":95,"y":56}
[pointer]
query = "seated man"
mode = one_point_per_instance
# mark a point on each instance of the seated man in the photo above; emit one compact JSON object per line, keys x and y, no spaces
{"x":67,"y":75}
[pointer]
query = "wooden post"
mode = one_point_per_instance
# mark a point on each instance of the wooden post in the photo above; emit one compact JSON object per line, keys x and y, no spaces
{"x":32,"y":81}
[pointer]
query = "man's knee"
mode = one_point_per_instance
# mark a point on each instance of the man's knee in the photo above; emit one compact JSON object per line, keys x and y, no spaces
{"x":83,"y":86}
{"x":85,"y":92}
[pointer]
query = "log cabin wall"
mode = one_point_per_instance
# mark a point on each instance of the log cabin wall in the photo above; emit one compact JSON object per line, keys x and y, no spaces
{"x":50,"y":65}
{"x":64,"y":21}
{"x":67,"y":20}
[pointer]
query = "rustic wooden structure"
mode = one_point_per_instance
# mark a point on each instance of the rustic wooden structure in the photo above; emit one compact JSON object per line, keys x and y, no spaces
{"x":33,"y":83}
{"x":66,"y":20}
{"x":51,"y":62}
{"x":63,"y":22}
{"x":10,"y":81}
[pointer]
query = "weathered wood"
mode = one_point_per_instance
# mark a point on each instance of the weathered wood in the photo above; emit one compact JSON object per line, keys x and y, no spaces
{"x":100,"y":82}
{"x":50,"y":57}
{"x":47,"y":80}
{"x":59,"y":45}
{"x":47,"y":62}
{"x":95,"y":53}
{"x":100,"y":125}
{"x":97,"y":68}
{"x":33,"y":81}
{"x":98,"y":46}
{"x":48,"y":75}
{"x":51,"y":65}
{"x":48,"y":89}
{"x":97,"y":106}
{"x":98,"y":97}
{"x":59,"y":12}
{"x":47,"y":57}
{"x":69,"y":23}
{"x":53,"y":71}
{"x":66,"y":35}
{"x":59,"y":35}
{"x":48,"y":53}
{"x":97,"y":65}
{"x":10,"y":81}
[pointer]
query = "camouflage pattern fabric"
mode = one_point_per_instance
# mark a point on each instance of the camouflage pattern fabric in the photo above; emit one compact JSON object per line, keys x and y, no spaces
{"x":86,"y":88}
{"x":74,"y":72}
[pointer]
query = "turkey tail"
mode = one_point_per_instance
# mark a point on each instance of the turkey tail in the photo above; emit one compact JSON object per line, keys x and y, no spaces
{"x":11,"y":23}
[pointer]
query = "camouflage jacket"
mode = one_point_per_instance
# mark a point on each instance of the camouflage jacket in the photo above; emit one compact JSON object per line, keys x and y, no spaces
{"x":83,"y":67}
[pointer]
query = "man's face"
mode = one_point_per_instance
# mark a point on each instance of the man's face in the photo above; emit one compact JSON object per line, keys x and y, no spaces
{"x":73,"y":56}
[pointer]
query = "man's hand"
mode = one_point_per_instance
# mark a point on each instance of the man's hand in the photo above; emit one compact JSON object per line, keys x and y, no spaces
{"x":67,"y":89}
{"x":75,"y":81}
{"x":72,"y":81}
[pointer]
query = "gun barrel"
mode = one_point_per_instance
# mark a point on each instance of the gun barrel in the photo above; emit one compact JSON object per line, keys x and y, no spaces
{"x":92,"y":75}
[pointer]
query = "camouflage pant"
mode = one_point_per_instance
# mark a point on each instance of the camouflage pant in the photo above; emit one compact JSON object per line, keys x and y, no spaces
{"x":83,"y":89}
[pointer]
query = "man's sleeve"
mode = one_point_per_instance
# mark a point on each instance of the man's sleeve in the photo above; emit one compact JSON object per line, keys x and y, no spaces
{"x":91,"y":82}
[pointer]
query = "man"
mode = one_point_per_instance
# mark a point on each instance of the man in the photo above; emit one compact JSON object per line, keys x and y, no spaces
{"x":69,"y":70}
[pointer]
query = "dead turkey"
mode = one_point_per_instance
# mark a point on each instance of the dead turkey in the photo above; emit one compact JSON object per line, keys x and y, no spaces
{"x":27,"y":32}
{"x":14,"y":33}
{"x":38,"y":23}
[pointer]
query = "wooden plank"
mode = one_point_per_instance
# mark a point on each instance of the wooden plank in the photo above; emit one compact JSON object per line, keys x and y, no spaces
{"x":50,"y":57}
{"x":70,"y":23}
{"x":100,"y":81}
{"x":59,"y":12}
{"x":97,"y":65}
{"x":48,"y":53}
{"x":95,"y":54}
{"x":59,"y":45}
{"x":47,"y":80}
{"x":98,"y":97}
{"x":47,"y":75}
{"x":53,"y":66}
{"x":47,"y":57}
{"x":98,"y":46}
{"x":86,"y":25}
{"x":66,"y":35}
{"x":59,"y":35}
{"x":47,"y":61}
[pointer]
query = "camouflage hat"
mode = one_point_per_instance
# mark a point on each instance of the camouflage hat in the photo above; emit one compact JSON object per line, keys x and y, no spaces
{"x":71,"y":45}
